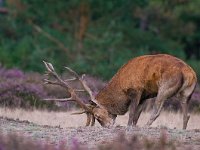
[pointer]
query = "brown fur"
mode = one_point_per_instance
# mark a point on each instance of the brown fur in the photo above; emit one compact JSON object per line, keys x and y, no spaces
{"x":146,"y":77}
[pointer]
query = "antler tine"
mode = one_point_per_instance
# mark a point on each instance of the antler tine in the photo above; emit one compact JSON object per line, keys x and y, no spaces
{"x":51,"y":71}
{"x":74,"y":97}
{"x":90,"y":120}
{"x":85,"y":86}
{"x":78,"y":113}
{"x":49,"y":66}
{"x":72,"y":79}
{"x":47,"y":81}
{"x":72,"y":72}
{"x":89,"y":116}
{"x":59,"y":99}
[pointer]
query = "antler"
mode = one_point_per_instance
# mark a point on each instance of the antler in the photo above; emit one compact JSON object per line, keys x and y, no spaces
{"x":74,"y":97}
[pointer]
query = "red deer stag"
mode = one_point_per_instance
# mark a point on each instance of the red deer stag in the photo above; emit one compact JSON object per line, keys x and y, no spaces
{"x":161,"y":76}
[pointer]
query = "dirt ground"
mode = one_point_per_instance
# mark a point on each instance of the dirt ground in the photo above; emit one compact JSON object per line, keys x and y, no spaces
{"x":92,"y":136}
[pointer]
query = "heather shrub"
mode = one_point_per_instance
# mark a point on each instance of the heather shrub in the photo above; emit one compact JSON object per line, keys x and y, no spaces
{"x":17,"y":90}
{"x":123,"y":142}
{"x":137,"y":142}
{"x":14,"y":142}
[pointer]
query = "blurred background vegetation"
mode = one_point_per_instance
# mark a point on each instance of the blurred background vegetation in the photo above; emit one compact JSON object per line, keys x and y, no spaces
{"x":96,"y":37}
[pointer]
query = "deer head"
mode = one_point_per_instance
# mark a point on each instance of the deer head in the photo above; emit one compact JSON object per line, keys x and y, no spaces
{"x":93,"y":110}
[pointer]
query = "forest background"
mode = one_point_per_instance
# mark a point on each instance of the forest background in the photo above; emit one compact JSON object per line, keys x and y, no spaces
{"x":96,"y":37}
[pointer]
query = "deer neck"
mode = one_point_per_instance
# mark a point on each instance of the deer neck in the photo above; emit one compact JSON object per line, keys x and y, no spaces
{"x":113,"y":99}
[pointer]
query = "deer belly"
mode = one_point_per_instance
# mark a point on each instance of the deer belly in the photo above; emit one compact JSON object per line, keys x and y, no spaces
{"x":119,"y":108}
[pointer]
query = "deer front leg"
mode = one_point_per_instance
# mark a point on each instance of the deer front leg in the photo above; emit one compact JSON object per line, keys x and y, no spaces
{"x":131,"y":113}
{"x":134,"y":111}
{"x":137,"y":113}
{"x":114,"y":118}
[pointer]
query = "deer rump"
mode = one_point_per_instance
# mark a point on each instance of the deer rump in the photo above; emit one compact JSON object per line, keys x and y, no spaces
{"x":161,"y":76}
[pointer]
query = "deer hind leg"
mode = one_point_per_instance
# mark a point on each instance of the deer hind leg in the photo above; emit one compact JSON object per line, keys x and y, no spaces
{"x":156,"y":109}
{"x":186,"y":117}
{"x":185,"y":97}
{"x":165,"y":91}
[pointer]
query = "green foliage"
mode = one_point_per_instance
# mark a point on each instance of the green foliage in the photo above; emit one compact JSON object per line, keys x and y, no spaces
{"x":112,"y":33}
{"x":195,"y":65}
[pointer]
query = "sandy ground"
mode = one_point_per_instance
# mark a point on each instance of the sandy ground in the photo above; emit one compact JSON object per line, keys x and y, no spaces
{"x":65,"y":119}
{"x":56,"y":127}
